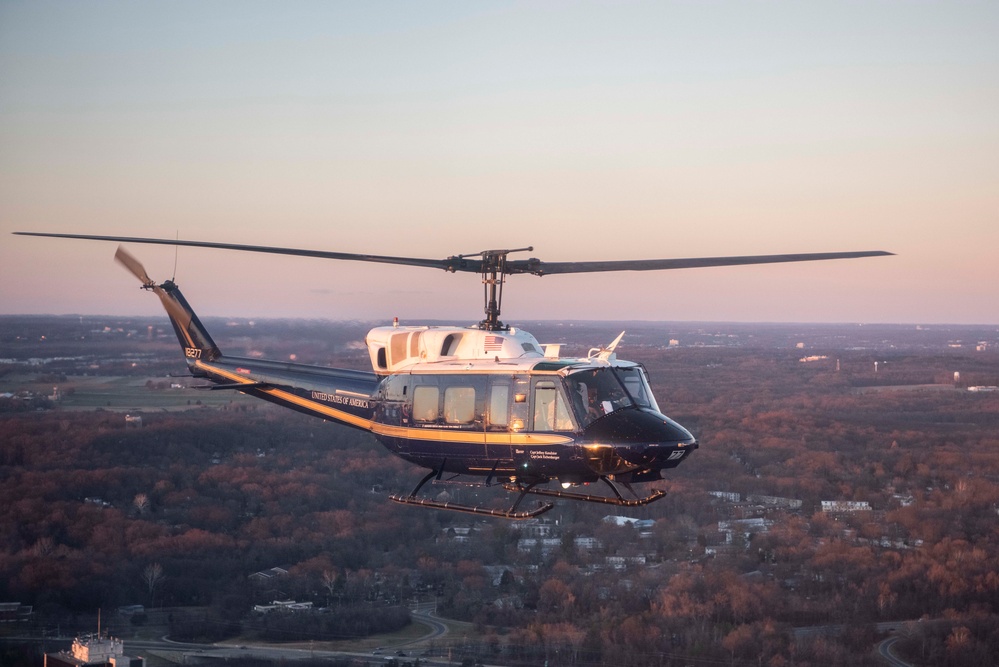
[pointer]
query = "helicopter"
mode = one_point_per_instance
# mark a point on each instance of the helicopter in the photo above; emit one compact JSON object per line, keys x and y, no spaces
{"x":484,"y":405}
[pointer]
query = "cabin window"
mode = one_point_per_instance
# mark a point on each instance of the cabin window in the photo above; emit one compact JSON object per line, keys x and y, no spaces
{"x":499,"y":404}
{"x":459,"y":405}
{"x":550,"y":410}
{"x":381,"y":358}
{"x":425,"y":403}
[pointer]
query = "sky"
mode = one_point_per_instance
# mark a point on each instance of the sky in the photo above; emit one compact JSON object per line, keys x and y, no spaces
{"x":590,"y":131}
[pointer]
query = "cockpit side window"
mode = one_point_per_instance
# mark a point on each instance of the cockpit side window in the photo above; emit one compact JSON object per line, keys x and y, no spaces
{"x":551,"y":413}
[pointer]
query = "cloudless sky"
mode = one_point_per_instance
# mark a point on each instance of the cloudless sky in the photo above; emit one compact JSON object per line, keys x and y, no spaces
{"x":612,"y":130}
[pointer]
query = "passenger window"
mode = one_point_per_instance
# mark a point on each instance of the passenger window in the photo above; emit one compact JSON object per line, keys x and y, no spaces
{"x":459,"y":405}
{"x":499,"y":404}
{"x":425,"y":403}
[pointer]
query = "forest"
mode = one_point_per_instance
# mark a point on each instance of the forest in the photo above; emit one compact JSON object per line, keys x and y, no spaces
{"x":847,"y":481}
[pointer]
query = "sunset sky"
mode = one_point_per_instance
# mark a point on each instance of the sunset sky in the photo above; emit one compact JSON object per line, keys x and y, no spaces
{"x":592,"y":131}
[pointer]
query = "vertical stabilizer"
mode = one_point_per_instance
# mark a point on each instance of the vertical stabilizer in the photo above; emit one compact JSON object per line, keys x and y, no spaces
{"x":193,"y":336}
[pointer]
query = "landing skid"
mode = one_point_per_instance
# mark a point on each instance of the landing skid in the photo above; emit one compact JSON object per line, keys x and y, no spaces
{"x":618,"y":500}
{"x":511,"y":513}
{"x":470,"y":509}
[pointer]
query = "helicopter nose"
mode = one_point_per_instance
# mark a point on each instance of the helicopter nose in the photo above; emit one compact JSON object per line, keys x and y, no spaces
{"x":638,"y":426}
{"x":633,"y":438}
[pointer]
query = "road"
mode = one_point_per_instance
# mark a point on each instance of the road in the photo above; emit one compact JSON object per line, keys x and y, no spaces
{"x":422,"y":613}
{"x":884,"y":649}
{"x":427,"y":614}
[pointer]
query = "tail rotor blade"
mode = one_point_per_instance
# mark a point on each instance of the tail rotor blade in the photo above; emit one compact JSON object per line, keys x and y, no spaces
{"x":174,"y":309}
{"x":134,"y":266}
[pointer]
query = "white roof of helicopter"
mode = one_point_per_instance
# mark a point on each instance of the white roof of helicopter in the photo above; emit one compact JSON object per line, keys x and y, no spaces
{"x":395,"y":349}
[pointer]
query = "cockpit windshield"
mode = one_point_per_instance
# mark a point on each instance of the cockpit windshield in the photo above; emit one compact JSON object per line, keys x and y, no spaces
{"x":596,"y":392}
{"x":636,"y":382}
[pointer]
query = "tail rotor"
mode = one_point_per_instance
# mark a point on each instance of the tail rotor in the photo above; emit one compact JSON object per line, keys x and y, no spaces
{"x":177,"y":313}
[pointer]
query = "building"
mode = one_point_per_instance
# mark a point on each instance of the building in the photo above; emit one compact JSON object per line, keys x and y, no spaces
{"x":746,"y":528}
{"x":835,"y":506}
{"x":13,"y":612}
{"x":97,"y":650}
{"x":774,"y":501}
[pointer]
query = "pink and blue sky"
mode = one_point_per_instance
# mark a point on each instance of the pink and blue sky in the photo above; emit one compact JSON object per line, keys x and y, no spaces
{"x":589,"y":130}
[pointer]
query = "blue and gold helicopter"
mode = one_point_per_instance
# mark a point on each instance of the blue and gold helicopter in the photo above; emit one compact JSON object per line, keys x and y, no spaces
{"x":486,"y":402}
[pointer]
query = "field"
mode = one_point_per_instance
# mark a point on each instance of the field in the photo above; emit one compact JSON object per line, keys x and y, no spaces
{"x":122,"y":394}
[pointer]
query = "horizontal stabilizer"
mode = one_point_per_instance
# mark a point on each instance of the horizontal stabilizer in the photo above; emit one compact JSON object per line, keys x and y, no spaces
{"x":237,"y":386}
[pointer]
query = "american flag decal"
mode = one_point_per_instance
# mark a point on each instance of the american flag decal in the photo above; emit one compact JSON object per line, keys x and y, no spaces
{"x":493,"y":343}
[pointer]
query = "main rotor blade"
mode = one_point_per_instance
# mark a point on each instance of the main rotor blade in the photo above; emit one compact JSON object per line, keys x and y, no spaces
{"x":540,"y":268}
{"x":449,"y":264}
{"x":458,"y":263}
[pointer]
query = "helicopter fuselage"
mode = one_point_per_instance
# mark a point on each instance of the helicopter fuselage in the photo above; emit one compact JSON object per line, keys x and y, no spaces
{"x":458,"y":401}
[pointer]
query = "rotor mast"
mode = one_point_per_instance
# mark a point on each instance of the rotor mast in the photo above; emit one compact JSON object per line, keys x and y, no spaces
{"x":494,"y":271}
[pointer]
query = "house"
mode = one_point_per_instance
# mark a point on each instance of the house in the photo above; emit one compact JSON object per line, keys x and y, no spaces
{"x":282,"y":605}
{"x":548,"y":544}
{"x":534,"y":527}
{"x":621,"y":562}
{"x":497,"y":572}
{"x":268,"y":575}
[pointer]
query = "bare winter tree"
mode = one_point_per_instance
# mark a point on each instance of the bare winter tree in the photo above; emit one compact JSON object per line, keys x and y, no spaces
{"x":329,"y":582}
{"x":141,"y":502}
{"x":153,"y":576}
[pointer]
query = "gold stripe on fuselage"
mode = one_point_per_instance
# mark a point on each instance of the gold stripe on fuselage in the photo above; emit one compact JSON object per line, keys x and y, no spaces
{"x":437,"y":435}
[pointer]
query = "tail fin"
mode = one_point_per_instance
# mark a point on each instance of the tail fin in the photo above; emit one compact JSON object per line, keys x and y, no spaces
{"x":193,"y":336}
